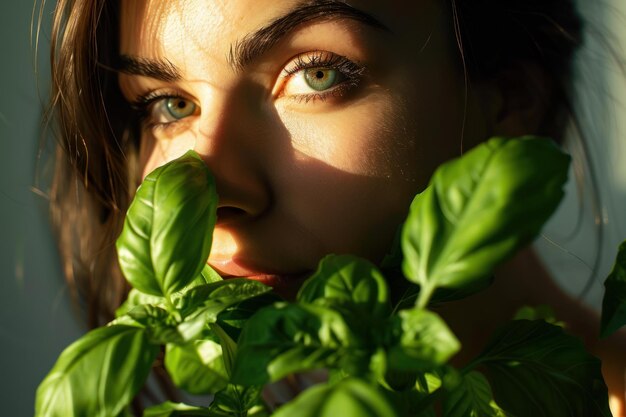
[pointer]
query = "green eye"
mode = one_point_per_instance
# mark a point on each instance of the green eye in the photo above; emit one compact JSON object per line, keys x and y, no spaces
{"x":320,"y":79}
{"x":179,"y":108}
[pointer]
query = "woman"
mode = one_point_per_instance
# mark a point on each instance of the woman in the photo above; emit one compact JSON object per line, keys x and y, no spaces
{"x":320,"y":121}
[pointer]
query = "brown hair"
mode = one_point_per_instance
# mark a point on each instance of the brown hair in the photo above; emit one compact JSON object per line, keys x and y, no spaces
{"x":94,"y":155}
{"x":97,"y":138}
{"x":496,"y":36}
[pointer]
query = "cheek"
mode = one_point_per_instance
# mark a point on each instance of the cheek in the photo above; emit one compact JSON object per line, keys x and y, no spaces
{"x":366,"y":139}
{"x":156,"y":150}
{"x":397,"y":137}
{"x":358,"y":167}
{"x":354,"y":174}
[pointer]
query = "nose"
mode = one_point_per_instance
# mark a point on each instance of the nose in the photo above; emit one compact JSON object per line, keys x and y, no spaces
{"x":230,"y":145}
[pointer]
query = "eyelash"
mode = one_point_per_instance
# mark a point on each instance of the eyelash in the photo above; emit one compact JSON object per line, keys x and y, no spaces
{"x":143,"y":106}
{"x":352,"y":71}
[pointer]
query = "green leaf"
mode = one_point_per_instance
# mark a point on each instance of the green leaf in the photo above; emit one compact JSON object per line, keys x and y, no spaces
{"x":167,"y":233}
{"x":209,"y":275}
{"x":428,"y":383}
{"x":235,"y":317}
{"x":536,"y":369}
{"x":236,"y":400}
{"x":348,"y":398}
{"x":411,"y":403}
{"x":540,"y":312}
{"x":472,"y":398}
{"x":614,"y":302}
{"x":136,"y":298}
{"x":201,"y":305}
{"x":229,"y":348}
{"x":170,"y":409}
{"x":424,"y":341}
{"x":288,"y":338}
{"x":215,"y":297}
{"x":428,"y":390}
{"x":470,"y":217}
{"x":197,"y":367}
{"x":160,"y":324}
{"x":349,"y":280}
{"x":98,"y":374}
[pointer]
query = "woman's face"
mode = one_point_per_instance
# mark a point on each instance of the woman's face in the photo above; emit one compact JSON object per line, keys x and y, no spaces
{"x":319,"y":119}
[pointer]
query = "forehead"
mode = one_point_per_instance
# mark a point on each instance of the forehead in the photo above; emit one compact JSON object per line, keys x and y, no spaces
{"x":152,"y":28}
{"x":157,"y":24}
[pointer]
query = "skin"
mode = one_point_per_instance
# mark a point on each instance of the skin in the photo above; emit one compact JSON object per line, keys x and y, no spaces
{"x":300,"y":176}
{"x":300,"y":179}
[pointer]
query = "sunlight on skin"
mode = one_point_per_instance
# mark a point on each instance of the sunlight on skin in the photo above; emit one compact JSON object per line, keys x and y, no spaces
{"x":299,"y":176}
{"x":616,"y":406}
{"x":305,"y":171}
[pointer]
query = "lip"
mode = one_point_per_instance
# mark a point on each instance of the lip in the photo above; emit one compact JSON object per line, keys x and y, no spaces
{"x":285,"y":284}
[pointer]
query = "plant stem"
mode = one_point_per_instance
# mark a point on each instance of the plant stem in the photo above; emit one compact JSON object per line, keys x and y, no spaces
{"x":426,"y":292}
{"x":169,"y":305}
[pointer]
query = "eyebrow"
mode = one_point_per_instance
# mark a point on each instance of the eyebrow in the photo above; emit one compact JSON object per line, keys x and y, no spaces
{"x":257,"y":43}
{"x":254,"y":45}
{"x":160,"y":69}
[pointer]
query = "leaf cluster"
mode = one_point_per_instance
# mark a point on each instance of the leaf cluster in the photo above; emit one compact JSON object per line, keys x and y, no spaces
{"x":234,"y":338}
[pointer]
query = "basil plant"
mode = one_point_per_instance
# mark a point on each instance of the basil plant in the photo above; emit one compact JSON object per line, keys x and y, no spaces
{"x":231,"y":339}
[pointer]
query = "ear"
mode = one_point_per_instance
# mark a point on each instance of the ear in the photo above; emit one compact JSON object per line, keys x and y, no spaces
{"x":525,"y":94}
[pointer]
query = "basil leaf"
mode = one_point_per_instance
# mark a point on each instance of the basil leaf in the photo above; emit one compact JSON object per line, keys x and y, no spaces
{"x":98,"y":374}
{"x":136,"y":298}
{"x":424,"y":342}
{"x":206,"y":276}
{"x":288,"y":338}
{"x":201,"y":305}
{"x":160,"y":324}
{"x":235,"y":317}
{"x":614,"y":302}
{"x":215,"y":297}
{"x":411,"y":403}
{"x":229,"y":348}
{"x":236,"y":400}
{"x":478,"y":210}
{"x":170,"y":409}
{"x":167,"y":233}
{"x":536,"y":369}
{"x":472,"y":397}
{"x":349,"y":280}
{"x":348,"y":398}
{"x":540,"y":312}
{"x":209,"y":275}
{"x":428,"y":383}
{"x":428,"y":390}
{"x":197,"y":367}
